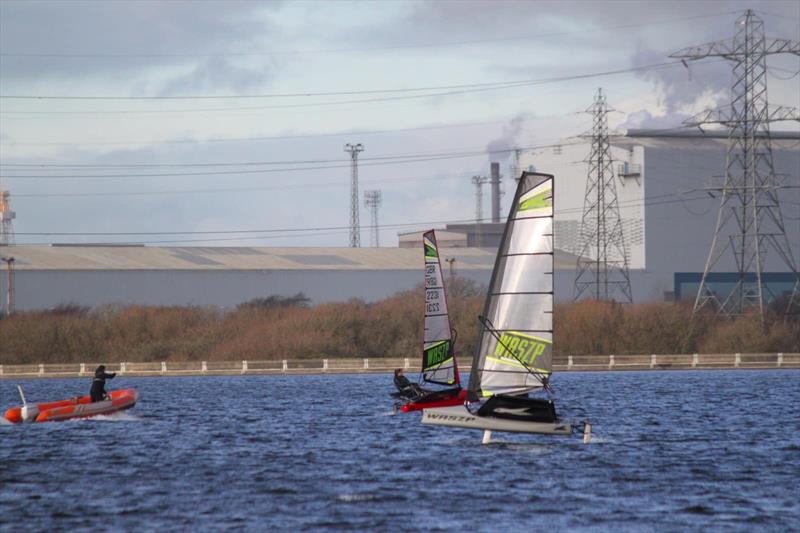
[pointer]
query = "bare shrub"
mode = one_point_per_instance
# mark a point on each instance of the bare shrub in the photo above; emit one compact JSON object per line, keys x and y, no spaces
{"x":270,"y":302}
{"x":69,"y":308}
{"x":657,"y":327}
{"x":588,"y":327}
{"x":747,"y":334}
{"x":289,"y":329}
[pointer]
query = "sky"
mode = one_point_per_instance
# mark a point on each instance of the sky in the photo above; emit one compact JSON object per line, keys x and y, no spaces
{"x":224,"y":123}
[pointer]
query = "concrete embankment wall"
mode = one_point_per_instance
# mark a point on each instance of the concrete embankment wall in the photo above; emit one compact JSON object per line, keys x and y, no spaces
{"x":386,"y":364}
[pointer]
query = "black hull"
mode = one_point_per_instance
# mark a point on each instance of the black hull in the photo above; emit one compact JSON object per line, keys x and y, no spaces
{"x":519,"y":408}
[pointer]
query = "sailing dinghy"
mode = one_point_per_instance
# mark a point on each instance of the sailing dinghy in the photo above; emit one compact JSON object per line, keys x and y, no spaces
{"x":515,"y":352}
{"x":439,"y":365}
{"x":79,"y":407}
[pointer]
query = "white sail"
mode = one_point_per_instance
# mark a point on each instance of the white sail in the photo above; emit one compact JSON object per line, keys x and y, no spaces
{"x":438,"y":362}
{"x":515,"y":351}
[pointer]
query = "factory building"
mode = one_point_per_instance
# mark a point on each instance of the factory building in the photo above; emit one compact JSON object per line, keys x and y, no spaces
{"x":47,"y":276}
{"x":668,"y":218}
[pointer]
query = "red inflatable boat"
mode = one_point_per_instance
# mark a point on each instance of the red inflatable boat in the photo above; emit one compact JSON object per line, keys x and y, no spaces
{"x":432,"y":400}
{"x":79,"y":407}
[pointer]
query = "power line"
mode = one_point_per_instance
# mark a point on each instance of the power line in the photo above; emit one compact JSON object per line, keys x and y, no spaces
{"x":304,"y":186}
{"x":389,"y":160}
{"x":645,"y":202}
{"x":244,"y":163}
{"x":235,"y":172}
{"x":782,"y":17}
{"x":525,"y":37}
{"x":273,"y":137}
{"x":442,"y":92}
{"x":64,"y":167}
{"x":236,"y":189}
{"x":303,"y":94}
{"x":675,"y":129}
{"x":313,"y":232}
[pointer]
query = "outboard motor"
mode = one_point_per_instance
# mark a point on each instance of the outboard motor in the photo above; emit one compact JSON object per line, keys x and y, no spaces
{"x":29,"y":412}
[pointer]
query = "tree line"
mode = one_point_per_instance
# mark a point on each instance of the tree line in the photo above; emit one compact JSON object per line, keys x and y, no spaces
{"x":280,"y":327}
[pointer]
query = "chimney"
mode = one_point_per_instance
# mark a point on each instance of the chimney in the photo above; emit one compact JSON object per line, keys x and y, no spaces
{"x":495,"y":181}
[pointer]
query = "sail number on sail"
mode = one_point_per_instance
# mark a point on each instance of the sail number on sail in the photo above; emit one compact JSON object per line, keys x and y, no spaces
{"x":519,"y":347}
{"x":430,"y":276}
{"x":432,"y":290}
{"x":432,"y":301}
{"x":437,"y":354}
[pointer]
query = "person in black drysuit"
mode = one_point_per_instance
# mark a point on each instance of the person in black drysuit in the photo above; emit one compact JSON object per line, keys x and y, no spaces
{"x":98,"y":392}
{"x":405,"y":387}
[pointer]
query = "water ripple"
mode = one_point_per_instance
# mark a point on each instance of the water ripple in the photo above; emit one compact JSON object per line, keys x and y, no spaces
{"x":675,"y":451}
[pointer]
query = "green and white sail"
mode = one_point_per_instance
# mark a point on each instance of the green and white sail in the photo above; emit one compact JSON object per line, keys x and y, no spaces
{"x":515,"y":352}
{"x":438,"y":360}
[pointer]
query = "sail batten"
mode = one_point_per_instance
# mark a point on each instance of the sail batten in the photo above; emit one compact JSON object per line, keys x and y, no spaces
{"x":438,"y":360}
{"x":515,"y":349}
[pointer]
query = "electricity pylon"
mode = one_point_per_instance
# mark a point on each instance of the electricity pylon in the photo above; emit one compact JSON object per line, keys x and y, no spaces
{"x":603,"y":260}
{"x":749,"y":222}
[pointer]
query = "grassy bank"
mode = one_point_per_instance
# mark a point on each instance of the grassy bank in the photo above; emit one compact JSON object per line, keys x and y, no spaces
{"x":289,"y":328}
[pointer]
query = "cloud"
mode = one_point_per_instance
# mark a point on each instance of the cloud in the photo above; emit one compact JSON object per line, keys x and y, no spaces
{"x":500,"y":148}
{"x":451,"y":20}
{"x":219,"y":74}
{"x":103,"y":40}
{"x":681,"y":88}
{"x":643,"y":119}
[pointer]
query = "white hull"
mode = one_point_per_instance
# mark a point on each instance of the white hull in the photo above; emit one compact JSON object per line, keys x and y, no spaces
{"x":458,"y":416}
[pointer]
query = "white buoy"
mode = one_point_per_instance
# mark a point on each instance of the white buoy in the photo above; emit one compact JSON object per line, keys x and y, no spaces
{"x":587,"y":432}
{"x":487,"y":436}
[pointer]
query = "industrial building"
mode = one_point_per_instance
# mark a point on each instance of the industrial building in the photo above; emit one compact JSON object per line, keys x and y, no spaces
{"x":668,"y":219}
{"x":47,"y":276}
{"x":668,"y":226}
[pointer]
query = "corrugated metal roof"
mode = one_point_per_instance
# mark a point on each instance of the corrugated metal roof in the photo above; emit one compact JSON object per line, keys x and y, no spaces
{"x":239,"y":258}
{"x":707,"y":134}
{"x":695,"y":140}
{"x":222,"y":258}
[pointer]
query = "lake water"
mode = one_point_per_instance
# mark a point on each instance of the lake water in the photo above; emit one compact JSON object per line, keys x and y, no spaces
{"x":673,"y":451}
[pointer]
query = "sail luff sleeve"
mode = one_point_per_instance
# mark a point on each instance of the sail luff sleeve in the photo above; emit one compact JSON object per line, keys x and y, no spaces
{"x":438,"y":361}
{"x":517,"y":352}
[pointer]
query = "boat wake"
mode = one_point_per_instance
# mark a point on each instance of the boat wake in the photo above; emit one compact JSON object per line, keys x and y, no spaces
{"x":119,"y":416}
{"x":534,"y":449}
{"x":4,"y":422}
{"x":355,"y":498}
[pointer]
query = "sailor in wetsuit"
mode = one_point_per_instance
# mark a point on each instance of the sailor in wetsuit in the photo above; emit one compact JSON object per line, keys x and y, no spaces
{"x":98,"y":392}
{"x":405,"y":387}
